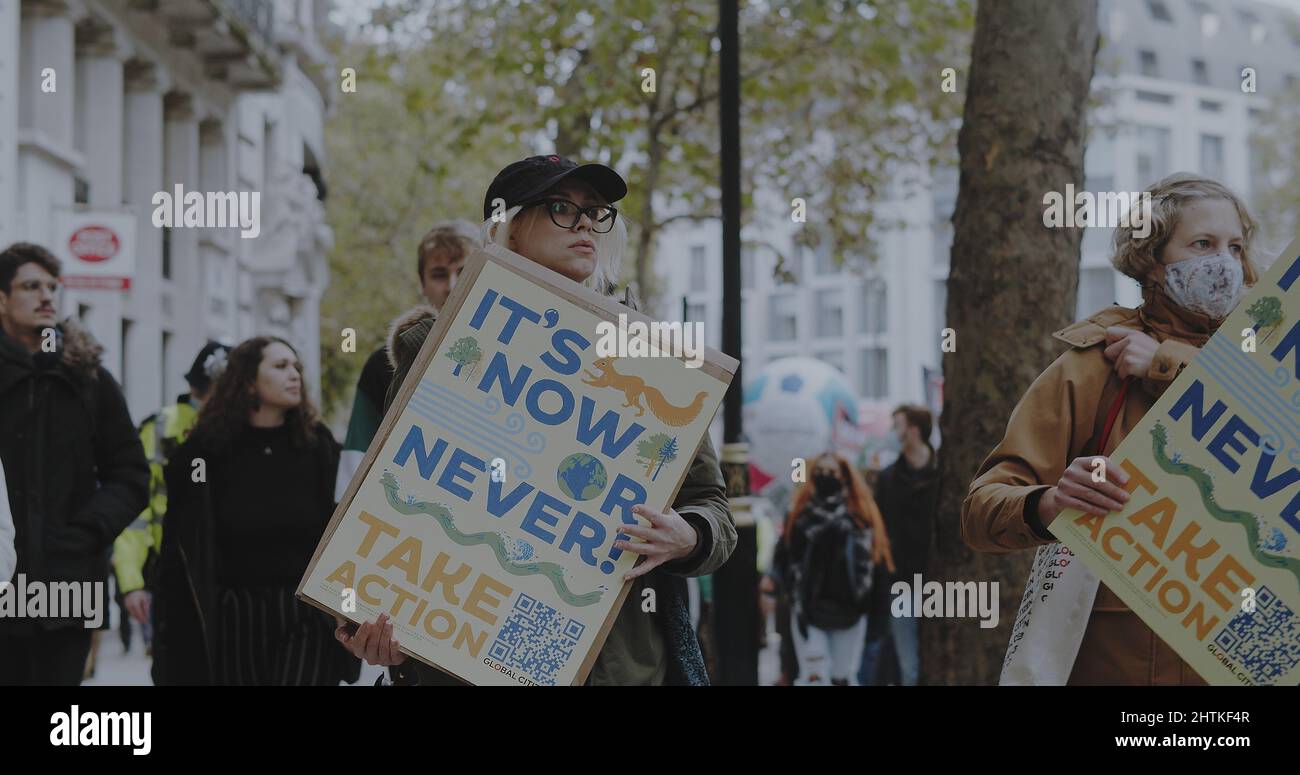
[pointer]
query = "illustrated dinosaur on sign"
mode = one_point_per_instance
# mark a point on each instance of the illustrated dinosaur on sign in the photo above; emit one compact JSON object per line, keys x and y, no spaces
{"x":634,"y":388}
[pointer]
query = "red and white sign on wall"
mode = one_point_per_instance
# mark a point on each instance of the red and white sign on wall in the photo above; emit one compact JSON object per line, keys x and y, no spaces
{"x":97,"y":249}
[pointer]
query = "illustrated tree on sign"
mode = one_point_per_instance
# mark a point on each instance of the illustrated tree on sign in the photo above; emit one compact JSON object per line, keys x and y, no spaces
{"x":1266,"y":312}
{"x":667,"y":454}
{"x":652,"y":450}
{"x":465,"y":352}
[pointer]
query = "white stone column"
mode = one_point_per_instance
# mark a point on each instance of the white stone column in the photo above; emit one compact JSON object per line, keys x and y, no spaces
{"x":47,"y":157}
{"x":181,"y":165}
{"x":142,"y":154}
{"x":10,"y":16}
{"x":98,"y":137}
{"x":47,"y":36}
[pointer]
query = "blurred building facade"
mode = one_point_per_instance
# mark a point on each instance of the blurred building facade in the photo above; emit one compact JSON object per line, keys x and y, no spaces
{"x":213,"y":95}
{"x":1169,"y":87}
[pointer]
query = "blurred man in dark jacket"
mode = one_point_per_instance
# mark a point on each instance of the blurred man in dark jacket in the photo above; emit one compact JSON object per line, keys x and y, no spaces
{"x":75,"y":470}
{"x":907,"y":492}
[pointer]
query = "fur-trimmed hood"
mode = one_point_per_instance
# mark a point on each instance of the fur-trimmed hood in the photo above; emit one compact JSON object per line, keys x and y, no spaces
{"x":78,"y":351}
{"x":400,"y":325}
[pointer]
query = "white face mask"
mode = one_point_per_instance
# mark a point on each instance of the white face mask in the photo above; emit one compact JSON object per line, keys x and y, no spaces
{"x":1210,"y":285}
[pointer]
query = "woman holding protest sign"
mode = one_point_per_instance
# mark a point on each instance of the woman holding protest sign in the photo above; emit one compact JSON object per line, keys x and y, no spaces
{"x":833,"y":539}
{"x":560,"y":215}
{"x":249,"y":495}
{"x":1193,"y":264}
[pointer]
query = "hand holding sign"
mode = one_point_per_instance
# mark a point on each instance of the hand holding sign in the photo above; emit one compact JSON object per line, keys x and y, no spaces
{"x":1131,"y":350}
{"x":1078,"y":489}
{"x":371,"y":641}
{"x":669,"y":537}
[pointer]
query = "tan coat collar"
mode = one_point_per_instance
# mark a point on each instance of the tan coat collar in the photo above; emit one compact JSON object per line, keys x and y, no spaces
{"x":1168,"y":320}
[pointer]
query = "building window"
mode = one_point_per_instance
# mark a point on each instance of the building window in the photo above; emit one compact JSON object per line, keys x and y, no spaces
{"x":1210,"y":106}
{"x":873,"y":379}
{"x":699,"y":268}
{"x":1159,"y":11}
{"x":746,"y":268}
{"x":1096,"y":290}
{"x":1200,"y":73}
{"x":782,"y":317}
{"x":1152,"y":154}
{"x":944,"y":193}
{"x":167,"y":253}
{"x":941,"y":308}
{"x":791,"y":266}
{"x":875,"y":309}
{"x":833,"y":357}
{"x":941,"y":244}
{"x":1209,"y":19}
{"x":830,"y":312}
{"x":1253,"y":24}
{"x":697,"y":312}
{"x":126,"y":355}
{"x":165,"y":364}
{"x":823,"y":260}
{"x":1212,"y":156}
{"x":1148,"y":65}
{"x":80,"y":190}
{"x":1156,"y":97}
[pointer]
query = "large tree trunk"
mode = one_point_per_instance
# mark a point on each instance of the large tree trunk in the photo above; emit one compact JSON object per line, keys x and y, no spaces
{"x":1012,"y":281}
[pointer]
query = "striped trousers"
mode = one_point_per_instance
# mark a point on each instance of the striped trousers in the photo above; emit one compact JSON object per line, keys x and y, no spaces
{"x":269,"y":638}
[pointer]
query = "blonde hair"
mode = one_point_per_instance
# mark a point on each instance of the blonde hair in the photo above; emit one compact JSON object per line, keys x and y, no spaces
{"x":453,"y":239}
{"x":1137,"y":257}
{"x":610,"y":246}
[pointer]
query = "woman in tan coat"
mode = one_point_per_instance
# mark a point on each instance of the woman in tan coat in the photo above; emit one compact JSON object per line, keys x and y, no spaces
{"x":1193,"y":267}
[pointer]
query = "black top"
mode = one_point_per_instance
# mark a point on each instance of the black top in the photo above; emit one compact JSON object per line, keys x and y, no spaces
{"x":75,"y":469}
{"x":908,"y":499}
{"x":269,"y":510}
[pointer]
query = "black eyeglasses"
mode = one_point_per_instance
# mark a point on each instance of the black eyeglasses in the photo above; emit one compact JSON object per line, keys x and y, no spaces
{"x":566,"y":214}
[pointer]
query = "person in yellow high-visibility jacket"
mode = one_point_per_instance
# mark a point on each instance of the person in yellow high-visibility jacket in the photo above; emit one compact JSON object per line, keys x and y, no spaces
{"x":161,"y":433}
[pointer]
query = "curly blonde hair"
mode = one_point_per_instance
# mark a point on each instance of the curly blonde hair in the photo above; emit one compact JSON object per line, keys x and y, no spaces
{"x":1138,"y":256}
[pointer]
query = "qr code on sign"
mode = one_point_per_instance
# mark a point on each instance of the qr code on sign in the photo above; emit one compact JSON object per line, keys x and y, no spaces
{"x":536,"y":639}
{"x":1266,"y":641}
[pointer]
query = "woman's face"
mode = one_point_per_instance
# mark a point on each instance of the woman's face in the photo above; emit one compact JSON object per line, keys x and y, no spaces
{"x":279,"y":382}
{"x":1206,"y":227}
{"x":571,"y":252}
{"x":827,"y":467}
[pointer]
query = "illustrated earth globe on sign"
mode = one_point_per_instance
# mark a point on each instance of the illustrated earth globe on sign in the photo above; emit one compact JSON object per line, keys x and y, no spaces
{"x":581,"y":476}
{"x":793,"y":408}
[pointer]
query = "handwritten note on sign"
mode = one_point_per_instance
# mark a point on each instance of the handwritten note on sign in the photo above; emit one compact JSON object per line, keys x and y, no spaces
{"x":484,"y":515}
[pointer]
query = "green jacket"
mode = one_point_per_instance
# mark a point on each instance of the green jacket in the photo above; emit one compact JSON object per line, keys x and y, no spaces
{"x":641,"y":648}
{"x":160,"y":434}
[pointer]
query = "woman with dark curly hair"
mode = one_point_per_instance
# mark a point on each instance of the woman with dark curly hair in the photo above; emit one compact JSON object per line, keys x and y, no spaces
{"x":249,"y":494}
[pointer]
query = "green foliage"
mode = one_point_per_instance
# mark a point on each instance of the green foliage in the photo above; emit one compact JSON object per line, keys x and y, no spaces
{"x":840,"y":103}
{"x":1275,"y":168}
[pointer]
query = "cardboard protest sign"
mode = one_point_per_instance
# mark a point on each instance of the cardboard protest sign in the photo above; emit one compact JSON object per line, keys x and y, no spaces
{"x":1207,"y":550}
{"x":483,"y":517}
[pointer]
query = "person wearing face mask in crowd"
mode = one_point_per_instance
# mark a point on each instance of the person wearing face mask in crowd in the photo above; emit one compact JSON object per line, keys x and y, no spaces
{"x":439,"y":259}
{"x":136,"y":550}
{"x":833,"y":539}
{"x":250,"y":493}
{"x":1194,"y":266}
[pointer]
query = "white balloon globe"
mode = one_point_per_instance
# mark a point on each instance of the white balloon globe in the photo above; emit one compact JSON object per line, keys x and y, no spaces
{"x":790,"y":409}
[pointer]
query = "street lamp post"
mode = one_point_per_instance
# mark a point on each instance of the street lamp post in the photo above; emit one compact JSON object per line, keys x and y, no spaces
{"x":735,"y":585}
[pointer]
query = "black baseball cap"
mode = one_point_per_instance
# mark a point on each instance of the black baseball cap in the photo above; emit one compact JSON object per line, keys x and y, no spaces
{"x":525,"y":180}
